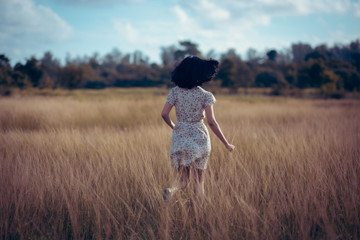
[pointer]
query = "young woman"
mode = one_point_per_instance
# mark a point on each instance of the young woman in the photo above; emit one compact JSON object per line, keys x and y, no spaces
{"x":190,"y":143}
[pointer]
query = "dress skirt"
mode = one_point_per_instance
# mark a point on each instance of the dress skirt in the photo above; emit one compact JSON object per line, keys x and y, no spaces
{"x":190,"y":145}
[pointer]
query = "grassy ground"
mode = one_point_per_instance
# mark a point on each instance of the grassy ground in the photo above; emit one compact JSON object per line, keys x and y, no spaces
{"x":92,"y":164}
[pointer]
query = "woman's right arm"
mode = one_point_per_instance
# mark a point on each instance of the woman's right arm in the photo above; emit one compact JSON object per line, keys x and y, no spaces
{"x":216,"y":128}
{"x":165,"y":115}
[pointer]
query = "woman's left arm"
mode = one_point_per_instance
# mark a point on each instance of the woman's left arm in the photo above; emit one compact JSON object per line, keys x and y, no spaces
{"x":165,"y":115}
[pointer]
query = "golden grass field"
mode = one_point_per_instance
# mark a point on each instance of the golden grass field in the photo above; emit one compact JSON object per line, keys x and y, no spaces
{"x":93,"y":164}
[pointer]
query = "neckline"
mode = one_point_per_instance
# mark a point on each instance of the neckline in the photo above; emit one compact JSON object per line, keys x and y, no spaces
{"x":187,"y":89}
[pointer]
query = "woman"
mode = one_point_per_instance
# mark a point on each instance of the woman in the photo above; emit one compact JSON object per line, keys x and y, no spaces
{"x":190,"y":143}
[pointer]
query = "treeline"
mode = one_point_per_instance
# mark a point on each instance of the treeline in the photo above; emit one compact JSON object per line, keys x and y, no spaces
{"x":334,"y":69}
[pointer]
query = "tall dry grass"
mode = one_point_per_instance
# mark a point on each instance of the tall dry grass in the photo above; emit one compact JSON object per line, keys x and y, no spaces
{"x":79,"y":168}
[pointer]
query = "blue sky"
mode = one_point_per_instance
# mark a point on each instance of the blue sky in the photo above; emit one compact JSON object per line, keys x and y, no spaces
{"x":82,"y":27}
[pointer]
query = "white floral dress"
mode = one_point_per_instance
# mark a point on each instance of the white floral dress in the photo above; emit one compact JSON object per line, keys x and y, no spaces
{"x":190,"y":142}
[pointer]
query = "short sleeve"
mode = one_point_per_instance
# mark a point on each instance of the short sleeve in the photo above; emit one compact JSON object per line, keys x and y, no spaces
{"x":210,"y":99}
{"x":171,"y":97}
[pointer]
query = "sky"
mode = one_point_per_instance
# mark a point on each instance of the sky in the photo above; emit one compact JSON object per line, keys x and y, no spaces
{"x":83,"y":27}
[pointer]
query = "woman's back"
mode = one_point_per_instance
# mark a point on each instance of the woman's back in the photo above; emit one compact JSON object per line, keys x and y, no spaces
{"x":190,"y":103}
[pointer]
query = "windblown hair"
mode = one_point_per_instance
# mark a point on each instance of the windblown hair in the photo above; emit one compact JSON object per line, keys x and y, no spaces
{"x":194,"y":71}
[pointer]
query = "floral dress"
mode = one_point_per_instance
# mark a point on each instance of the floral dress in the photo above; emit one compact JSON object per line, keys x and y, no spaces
{"x":190,"y":142}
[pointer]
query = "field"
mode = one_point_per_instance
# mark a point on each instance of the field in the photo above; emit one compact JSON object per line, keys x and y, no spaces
{"x":93,"y":164}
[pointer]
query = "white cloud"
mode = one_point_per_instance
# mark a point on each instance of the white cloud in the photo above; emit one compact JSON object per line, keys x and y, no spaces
{"x":180,"y":14}
{"x":210,"y":10}
{"x":22,"y":18}
{"x":244,"y":10}
{"x":356,"y":8}
{"x":223,"y":24}
{"x":290,"y":7}
{"x":25,"y":25}
{"x":230,"y":22}
{"x":126,"y":30}
{"x":96,"y":3}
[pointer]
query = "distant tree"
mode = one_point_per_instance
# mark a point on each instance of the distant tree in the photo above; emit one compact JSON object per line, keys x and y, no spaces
{"x":355,"y":60}
{"x":349,"y":79}
{"x":299,"y":51}
{"x":126,"y":59}
{"x":303,"y":78}
{"x":301,"y":66}
{"x":290,"y":73}
{"x":117,"y":55}
{"x":338,"y":52}
{"x":140,"y":58}
{"x":355,"y":46}
{"x":94,"y":61}
{"x":272,"y":54}
{"x":50,"y":66}
{"x":323,"y":49}
{"x":68,"y":59}
{"x":168,"y":55}
{"x":187,"y":48}
{"x":344,"y":52}
{"x":231,"y":53}
{"x":48,"y":61}
{"x":45,"y":81}
{"x":244,"y":75}
{"x":4,"y":61}
{"x":329,"y":86}
{"x":21,"y":80}
{"x":316,"y":71}
{"x":6,"y":79}
{"x":270,"y":78}
{"x":89,"y":74}
{"x":165,"y":75}
{"x":252,"y":56}
{"x":315,"y":55}
{"x":284,"y":57}
{"x":211,"y":54}
{"x":171,"y":54}
{"x":32,"y":69}
{"x":315,"y":74}
{"x":108,"y":61}
{"x":227,"y":73}
{"x":71,"y":76}
{"x":234,"y":72}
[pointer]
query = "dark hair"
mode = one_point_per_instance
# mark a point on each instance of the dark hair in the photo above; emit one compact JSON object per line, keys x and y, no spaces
{"x":193,"y":71}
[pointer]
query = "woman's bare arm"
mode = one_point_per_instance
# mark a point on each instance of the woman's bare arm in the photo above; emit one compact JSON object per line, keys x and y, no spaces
{"x":216,"y":128}
{"x":165,"y":115}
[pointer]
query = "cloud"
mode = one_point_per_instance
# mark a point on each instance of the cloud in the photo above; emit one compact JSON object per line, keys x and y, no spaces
{"x":210,"y":10}
{"x":258,"y":12}
{"x":229,"y":22}
{"x":96,"y":3}
{"x":24,"y":25}
{"x":126,"y":30}
{"x":356,"y":9}
{"x":180,"y":14}
{"x":288,"y":7}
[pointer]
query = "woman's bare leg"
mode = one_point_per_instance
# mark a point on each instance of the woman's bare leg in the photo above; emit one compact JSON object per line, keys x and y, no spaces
{"x":199,"y":192}
{"x":183,"y":180}
{"x":180,"y":183}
